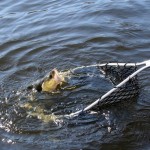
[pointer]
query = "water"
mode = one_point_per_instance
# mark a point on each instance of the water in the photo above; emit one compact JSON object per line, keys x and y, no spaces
{"x":40,"y":35}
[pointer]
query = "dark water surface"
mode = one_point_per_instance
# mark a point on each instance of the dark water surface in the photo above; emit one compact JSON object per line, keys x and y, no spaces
{"x":36,"y":36}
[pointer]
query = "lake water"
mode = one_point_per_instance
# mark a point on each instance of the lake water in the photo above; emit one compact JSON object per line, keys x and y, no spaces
{"x":37,"y":36}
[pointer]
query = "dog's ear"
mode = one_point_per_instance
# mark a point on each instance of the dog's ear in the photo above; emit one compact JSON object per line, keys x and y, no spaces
{"x":36,"y":85}
{"x":30,"y":87}
{"x":39,"y":88}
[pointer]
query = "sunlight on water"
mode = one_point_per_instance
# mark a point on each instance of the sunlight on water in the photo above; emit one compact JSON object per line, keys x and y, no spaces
{"x":8,"y":141}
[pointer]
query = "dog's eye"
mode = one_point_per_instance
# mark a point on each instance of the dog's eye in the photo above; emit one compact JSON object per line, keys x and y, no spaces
{"x":50,"y":76}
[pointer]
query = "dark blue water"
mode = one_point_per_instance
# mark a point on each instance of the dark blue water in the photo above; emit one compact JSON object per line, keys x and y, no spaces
{"x":37,"y":36}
